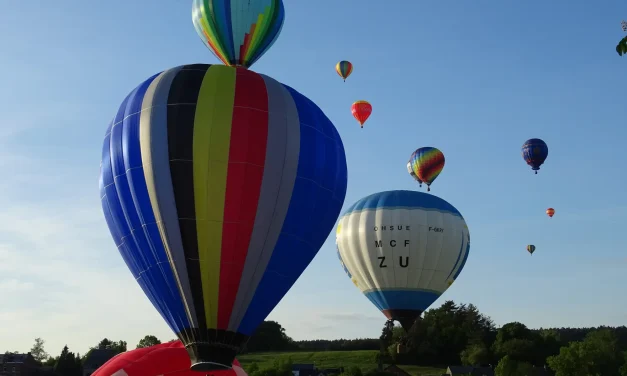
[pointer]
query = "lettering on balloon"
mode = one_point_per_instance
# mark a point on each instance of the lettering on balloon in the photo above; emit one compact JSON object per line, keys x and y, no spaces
{"x":436,"y":229}
{"x":379,"y":243}
{"x":382,"y":263}
{"x":403,"y":263}
{"x":392,"y":228}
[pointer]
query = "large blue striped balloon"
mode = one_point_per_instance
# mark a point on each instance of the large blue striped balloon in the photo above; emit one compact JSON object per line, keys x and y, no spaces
{"x":219,"y":186}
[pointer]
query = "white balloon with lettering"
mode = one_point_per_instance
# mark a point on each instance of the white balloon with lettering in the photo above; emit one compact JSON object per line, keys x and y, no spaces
{"x":402,"y":249}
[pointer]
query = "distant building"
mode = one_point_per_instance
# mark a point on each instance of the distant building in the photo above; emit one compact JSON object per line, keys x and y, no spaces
{"x":396,"y":370}
{"x":95,"y":359}
{"x":304,"y":370}
{"x":19,"y":365}
{"x":469,"y":371}
{"x":311,"y":370}
{"x":487,"y":371}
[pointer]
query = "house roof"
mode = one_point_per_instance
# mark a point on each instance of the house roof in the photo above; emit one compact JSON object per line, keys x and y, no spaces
{"x":454,"y":370}
{"x":98,"y":357}
{"x":13,"y":358}
{"x":396,"y":369}
{"x":480,"y":371}
{"x":297,"y":367}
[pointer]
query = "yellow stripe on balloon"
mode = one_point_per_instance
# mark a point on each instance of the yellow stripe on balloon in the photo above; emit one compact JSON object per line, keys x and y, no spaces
{"x":256,"y":36}
{"x":212,"y":138}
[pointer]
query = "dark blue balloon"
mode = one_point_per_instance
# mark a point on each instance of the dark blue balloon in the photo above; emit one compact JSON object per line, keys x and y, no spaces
{"x":535,"y":151}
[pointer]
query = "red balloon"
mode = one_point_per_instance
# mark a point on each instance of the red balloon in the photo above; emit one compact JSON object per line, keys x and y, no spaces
{"x":361,"y":111}
{"x":169,"y":358}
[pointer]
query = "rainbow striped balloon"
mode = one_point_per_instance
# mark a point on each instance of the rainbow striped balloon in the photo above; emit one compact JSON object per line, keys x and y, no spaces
{"x":427,"y":164}
{"x":238,"y":32}
{"x":344,"y":69}
{"x":219,"y":186}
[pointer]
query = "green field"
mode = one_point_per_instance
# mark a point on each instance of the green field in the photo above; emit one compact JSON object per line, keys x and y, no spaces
{"x":331,"y":359}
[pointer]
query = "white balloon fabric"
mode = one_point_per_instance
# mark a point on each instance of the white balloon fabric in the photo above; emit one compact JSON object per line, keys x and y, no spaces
{"x":402,"y":249}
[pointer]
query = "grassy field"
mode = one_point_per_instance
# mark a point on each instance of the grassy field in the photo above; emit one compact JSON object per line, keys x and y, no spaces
{"x":330,"y":359}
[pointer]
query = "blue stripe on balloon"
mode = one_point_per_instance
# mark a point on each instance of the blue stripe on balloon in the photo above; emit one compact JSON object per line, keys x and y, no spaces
{"x":416,"y":300}
{"x":273,"y":32}
{"x":115,"y":193}
{"x":461,"y":267}
{"x":222,"y":12}
{"x":130,"y":205}
{"x":317,"y":198}
{"x":401,"y":200}
{"x":459,"y":256}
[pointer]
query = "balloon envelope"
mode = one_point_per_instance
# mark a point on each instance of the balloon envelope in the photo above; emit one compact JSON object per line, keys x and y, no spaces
{"x":238,"y":32}
{"x":531,"y":248}
{"x":550,"y":212}
{"x":167,"y":359}
{"x":344,"y":69}
{"x":211,"y":177}
{"x":427,"y":163}
{"x":402,"y":249}
{"x":535,"y":151}
{"x":410,"y":170}
{"x":361,"y":111}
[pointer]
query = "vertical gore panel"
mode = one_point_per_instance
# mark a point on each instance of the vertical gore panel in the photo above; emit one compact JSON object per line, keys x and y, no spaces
{"x":212,"y":132}
{"x":247,"y":154}
{"x":163,"y":228}
{"x":181,"y":112}
{"x":281,"y":162}
{"x":313,"y":208}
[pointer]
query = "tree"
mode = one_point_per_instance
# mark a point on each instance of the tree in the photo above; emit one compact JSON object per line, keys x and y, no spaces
{"x":516,"y":341}
{"x":510,"y":367}
{"x":148,"y":341}
{"x":119,"y":346}
{"x":352,"y":371}
{"x":623,"y":369}
{"x":280,"y":367}
{"x":270,"y":336}
{"x":37,"y":351}
{"x":67,"y":364}
{"x":597,"y":354}
{"x":476,"y":355}
{"x":50,"y":362}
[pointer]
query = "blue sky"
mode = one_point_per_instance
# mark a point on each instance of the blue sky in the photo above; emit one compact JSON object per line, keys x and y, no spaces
{"x":473,"y":78}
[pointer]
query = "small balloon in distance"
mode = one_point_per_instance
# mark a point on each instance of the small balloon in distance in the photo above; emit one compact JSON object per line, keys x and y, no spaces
{"x":534,"y":152}
{"x":344,"y":69}
{"x":361,"y":111}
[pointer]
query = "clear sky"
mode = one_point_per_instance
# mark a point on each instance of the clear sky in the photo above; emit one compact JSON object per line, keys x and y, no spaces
{"x":473,"y":78}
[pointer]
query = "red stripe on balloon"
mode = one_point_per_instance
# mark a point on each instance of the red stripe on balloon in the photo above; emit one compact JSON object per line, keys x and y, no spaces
{"x":247,"y":155}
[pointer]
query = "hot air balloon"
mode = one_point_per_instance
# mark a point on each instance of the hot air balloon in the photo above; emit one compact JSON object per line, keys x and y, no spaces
{"x":211,"y":177}
{"x":410,"y":170}
{"x":344,"y":69}
{"x":531,"y":248}
{"x":402,"y":249}
{"x":550,"y":212}
{"x":167,"y":359}
{"x":535,"y":151}
{"x":238,"y":32}
{"x":427,"y":164}
{"x":361,"y":111}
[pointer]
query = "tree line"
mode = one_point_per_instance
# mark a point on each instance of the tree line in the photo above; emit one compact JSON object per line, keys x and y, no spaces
{"x":451,"y":334}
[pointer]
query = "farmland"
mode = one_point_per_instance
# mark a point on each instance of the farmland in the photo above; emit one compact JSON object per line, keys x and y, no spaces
{"x":365,"y":359}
